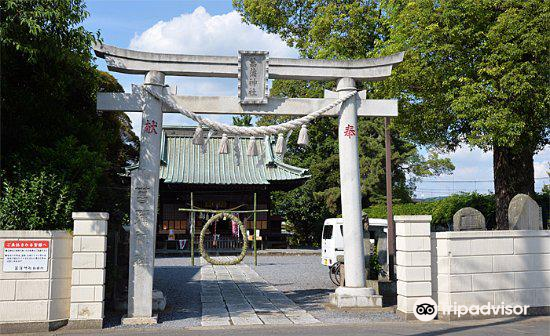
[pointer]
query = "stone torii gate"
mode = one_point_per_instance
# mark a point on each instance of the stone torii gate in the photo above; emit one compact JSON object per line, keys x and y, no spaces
{"x":252,"y":69}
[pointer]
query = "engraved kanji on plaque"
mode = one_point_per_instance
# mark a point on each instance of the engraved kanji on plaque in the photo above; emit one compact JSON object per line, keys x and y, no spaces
{"x":253,"y":74}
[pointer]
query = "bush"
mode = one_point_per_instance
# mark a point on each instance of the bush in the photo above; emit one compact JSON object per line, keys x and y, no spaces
{"x":36,"y":202}
{"x":379,"y":210}
{"x":442,"y":211}
{"x":442,"y":215}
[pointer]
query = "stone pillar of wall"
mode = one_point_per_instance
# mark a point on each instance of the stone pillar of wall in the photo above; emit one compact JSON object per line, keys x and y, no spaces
{"x":413,"y":262}
{"x":88,"y":269}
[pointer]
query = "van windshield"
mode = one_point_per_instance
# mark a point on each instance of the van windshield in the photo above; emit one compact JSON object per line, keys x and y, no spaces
{"x":327,"y":232}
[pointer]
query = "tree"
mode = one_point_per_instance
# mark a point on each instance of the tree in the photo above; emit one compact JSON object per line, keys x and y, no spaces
{"x":49,"y":121}
{"x":475,"y":72}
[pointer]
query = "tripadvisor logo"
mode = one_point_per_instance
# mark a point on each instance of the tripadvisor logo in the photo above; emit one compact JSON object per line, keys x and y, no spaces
{"x":425,"y":309}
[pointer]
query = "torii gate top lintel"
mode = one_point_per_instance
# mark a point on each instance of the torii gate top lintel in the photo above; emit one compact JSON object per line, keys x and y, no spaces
{"x":139,"y":62}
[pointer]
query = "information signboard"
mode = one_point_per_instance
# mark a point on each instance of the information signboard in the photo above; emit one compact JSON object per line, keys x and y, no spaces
{"x":26,"y":256}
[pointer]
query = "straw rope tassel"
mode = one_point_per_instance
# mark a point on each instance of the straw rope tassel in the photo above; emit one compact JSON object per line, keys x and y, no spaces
{"x":280,"y":147}
{"x":237,"y":150}
{"x":252,"y":149}
{"x":303,"y":138}
{"x":198,"y":137}
{"x":204,"y":146}
{"x":224,"y":144}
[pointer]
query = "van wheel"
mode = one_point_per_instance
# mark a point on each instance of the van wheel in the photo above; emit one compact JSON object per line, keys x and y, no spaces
{"x":334,"y":273}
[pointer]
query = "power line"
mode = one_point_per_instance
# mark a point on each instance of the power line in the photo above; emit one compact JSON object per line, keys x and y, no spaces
{"x":471,"y":181}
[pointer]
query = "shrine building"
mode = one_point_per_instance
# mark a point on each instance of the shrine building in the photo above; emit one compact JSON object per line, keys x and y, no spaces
{"x":219,"y":181}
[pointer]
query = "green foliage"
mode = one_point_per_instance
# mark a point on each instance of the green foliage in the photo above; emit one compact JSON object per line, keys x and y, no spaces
{"x":38,"y":29}
{"x":421,"y":208}
{"x":319,"y":29}
{"x":49,"y":120}
{"x":474,"y":72}
{"x":37,"y":202}
{"x":442,"y":214}
{"x":243,"y":120}
{"x":442,"y":211}
{"x":374,"y":265}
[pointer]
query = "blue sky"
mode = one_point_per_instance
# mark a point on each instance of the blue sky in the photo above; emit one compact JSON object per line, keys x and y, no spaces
{"x":212,"y":27}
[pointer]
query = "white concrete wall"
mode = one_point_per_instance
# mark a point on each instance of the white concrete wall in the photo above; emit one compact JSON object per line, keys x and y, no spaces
{"x":413,"y":260}
{"x":37,"y":296}
{"x":72,"y":288}
{"x":88,"y":266}
{"x":477,"y":267}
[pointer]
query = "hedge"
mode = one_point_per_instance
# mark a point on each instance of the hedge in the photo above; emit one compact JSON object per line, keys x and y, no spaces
{"x":442,"y":211}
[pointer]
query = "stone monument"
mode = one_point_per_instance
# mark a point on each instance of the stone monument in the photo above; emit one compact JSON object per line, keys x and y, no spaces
{"x":524,"y":213}
{"x":469,"y":219}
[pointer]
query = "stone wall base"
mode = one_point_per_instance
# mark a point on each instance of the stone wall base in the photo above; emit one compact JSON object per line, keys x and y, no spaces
{"x":139,"y":320}
{"x":386,"y":288}
{"x":347,"y":297}
{"x":406,"y":316}
{"x":85,"y":324}
{"x":30,"y":327}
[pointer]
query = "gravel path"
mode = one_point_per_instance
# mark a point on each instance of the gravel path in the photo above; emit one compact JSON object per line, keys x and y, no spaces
{"x":304,"y":280}
{"x":301,"y":278}
{"x":180,"y":283}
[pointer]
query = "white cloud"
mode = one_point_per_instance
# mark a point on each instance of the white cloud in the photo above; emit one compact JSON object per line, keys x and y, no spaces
{"x":199,"y":33}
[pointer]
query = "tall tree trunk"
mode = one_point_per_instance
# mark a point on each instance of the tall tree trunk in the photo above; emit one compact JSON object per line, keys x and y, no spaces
{"x":513,"y":174}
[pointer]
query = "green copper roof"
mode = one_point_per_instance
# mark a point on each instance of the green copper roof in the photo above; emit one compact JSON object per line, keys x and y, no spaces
{"x":184,"y":162}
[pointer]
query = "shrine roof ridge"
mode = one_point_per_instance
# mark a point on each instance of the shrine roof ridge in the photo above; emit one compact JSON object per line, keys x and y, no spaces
{"x":140,"y":62}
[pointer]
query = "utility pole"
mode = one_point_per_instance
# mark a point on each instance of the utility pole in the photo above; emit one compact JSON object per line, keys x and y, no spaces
{"x":389,"y":201}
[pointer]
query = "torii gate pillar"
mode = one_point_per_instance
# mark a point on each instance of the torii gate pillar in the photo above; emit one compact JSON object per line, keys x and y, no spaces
{"x":143,"y":209}
{"x":354,"y":293}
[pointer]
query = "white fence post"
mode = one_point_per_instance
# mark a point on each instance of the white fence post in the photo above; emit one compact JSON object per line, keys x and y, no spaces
{"x":88,"y":275}
{"x":413,"y":262}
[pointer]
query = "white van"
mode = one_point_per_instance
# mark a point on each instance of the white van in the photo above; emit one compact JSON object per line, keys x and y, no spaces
{"x":332,"y":243}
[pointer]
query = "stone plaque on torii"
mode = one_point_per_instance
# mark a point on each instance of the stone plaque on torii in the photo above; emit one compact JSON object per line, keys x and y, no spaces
{"x":252,"y":69}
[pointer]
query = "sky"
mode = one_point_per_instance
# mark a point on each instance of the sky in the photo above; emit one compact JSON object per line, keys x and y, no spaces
{"x":214,"y":28}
